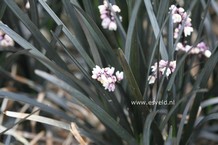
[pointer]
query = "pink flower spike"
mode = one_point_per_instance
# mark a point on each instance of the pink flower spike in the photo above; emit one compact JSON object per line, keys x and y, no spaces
{"x":107,"y":11}
{"x":106,"y":77}
{"x":169,"y":67}
{"x":179,"y":16}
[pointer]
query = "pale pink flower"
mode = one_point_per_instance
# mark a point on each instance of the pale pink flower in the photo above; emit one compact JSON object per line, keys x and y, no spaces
{"x":106,"y":22}
{"x":173,"y":9}
{"x":119,"y":75}
{"x":5,"y":40}
{"x":110,"y":87}
{"x":176,"y":33}
{"x":207,"y":53}
{"x":187,"y":31}
{"x":168,"y":71}
{"x":172,"y":66}
{"x":27,"y":5}
{"x":96,"y":72}
{"x":162,"y":63}
{"x":116,"y":8}
{"x":203,"y":49}
{"x":202,"y":46}
{"x":181,"y":10}
{"x":195,"y":50}
{"x":109,"y":71}
{"x":151,"y":79}
{"x":112,"y":26}
{"x":176,"y":18}
{"x":103,"y":79}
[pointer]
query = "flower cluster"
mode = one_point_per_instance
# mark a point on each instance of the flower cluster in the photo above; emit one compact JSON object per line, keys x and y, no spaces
{"x":106,"y":77}
{"x":201,"y":48}
{"x":160,"y":68}
{"x":179,"y":16}
{"x":5,"y":40}
{"x":107,"y":11}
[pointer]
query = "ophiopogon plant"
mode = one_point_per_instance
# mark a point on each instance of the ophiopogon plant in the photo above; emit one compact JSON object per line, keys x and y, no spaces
{"x":108,"y":71}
